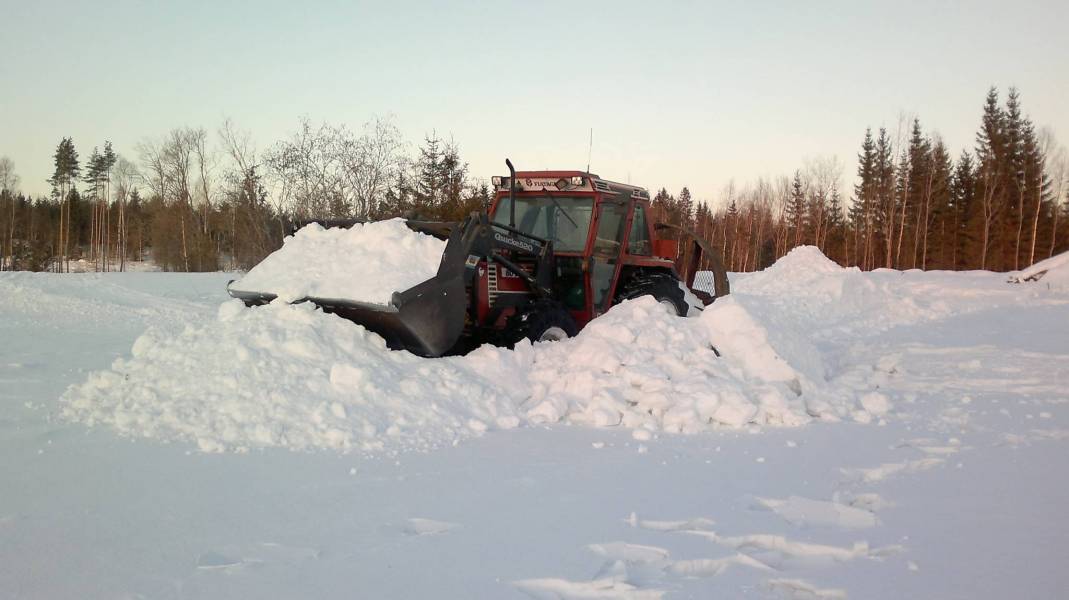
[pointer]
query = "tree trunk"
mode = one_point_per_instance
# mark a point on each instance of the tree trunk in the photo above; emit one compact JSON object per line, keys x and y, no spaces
{"x":1020,"y":228}
{"x":185,"y":252}
{"x":1035,"y":230}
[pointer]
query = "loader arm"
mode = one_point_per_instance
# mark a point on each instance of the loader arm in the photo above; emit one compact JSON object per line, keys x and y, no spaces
{"x":700,"y":247}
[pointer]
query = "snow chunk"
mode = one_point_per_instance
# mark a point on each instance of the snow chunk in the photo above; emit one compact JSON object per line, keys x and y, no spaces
{"x":367,"y":262}
{"x":804,"y":511}
{"x":420,"y":526}
{"x":875,"y":403}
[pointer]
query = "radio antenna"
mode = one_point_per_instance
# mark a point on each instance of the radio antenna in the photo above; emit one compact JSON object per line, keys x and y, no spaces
{"x":589,"y":149}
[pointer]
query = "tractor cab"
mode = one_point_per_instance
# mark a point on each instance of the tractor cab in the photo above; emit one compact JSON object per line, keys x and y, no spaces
{"x":599,"y":230}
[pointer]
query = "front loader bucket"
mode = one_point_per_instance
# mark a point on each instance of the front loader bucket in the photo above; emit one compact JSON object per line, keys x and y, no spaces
{"x":427,"y":319}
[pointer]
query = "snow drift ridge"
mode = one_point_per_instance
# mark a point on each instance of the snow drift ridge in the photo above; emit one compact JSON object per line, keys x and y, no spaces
{"x":292,"y":376}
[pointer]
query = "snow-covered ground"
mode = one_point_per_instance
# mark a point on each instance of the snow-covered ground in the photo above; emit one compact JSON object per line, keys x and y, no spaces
{"x":863,"y":435}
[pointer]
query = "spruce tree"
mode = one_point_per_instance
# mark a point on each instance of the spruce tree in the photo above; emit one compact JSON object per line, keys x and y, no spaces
{"x":1014,"y":176}
{"x":429,"y":182}
{"x":937,"y":216}
{"x":915,"y":207}
{"x":963,"y":195}
{"x":686,"y":208}
{"x":862,"y":208}
{"x":794,"y":212}
{"x":884,"y":213}
{"x":990,"y":173}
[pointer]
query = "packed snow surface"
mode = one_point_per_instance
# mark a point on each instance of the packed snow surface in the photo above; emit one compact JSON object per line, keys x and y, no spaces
{"x":367,"y":262}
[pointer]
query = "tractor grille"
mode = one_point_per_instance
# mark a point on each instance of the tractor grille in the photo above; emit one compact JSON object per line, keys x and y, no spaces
{"x":491,"y":283}
{"x":496,"y":273}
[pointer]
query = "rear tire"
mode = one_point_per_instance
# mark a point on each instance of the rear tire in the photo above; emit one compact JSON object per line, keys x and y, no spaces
{"x":664,"y":289}
{"x":546,"y":322}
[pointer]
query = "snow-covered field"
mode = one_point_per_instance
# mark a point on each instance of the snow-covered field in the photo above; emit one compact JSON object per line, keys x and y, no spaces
{"x":862,"y":435}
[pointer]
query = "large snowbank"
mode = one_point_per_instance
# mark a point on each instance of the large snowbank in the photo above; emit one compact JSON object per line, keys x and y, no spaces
{"x":1052,"y":273}
{"x":292,"y":376}
{"x":366,"y":262}
{"x":823,"y":301}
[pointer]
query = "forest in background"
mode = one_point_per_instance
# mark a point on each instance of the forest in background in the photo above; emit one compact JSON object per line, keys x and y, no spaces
{"x":194,"y":201}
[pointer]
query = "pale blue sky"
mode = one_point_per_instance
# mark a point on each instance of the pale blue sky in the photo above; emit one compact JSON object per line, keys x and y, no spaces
{"x":678,"y":93}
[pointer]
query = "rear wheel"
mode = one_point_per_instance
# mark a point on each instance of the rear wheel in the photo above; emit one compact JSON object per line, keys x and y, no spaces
{"x":546,"y":322}
{"x":665,"y":289}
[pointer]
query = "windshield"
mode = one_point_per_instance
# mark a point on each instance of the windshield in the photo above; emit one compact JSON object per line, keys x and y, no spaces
{"x":564,"y":220}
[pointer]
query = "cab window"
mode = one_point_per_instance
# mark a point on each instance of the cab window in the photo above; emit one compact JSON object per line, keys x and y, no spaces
{"x":638,"y":242}
{"x":606,"y":251}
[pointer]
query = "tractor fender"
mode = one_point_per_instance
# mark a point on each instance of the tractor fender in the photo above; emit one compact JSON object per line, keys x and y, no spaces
{"x":702,"y":248}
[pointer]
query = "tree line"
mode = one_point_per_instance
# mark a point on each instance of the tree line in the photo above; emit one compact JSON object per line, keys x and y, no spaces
{"x":1003,"y":205}
{"x":194,"y":201}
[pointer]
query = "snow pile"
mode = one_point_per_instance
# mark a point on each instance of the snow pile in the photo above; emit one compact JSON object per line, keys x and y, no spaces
{"x":638,"y":367}
{"x":292,"y":376}
{"x":366,"y":262}
{"x":289,"y":376}
{"x":802,"y":271}
{"x":822,"y":301}
{"x":1052,"y":273}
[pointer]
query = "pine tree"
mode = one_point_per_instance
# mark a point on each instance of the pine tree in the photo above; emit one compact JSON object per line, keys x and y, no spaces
{"x":963,"y":195}
{"x":94,"y":178}
{"x":836,"y":238}
{"x":990,"y":172}
{"x":428,"y":191}
{"x":686,"y":208}
{"x":794,"y":212}
{"x":108,"y":160}
{"x":884,"y":221}
{"x":1013,"y":169}
{"x":862,"y":207}
{"x":917,"y":193}
{"x":66,"y":172}
{"x":937,"y":207}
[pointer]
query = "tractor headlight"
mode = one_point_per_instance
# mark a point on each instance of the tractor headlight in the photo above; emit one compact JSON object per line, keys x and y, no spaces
{"x":496,"y":180}
{"x":577,"y":180}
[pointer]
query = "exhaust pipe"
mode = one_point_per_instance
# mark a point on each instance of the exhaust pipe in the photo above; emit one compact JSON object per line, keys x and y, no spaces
{"x":512,"y":193}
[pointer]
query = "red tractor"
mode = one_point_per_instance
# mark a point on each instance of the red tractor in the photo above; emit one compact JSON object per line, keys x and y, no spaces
{"x":554,"y":250}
